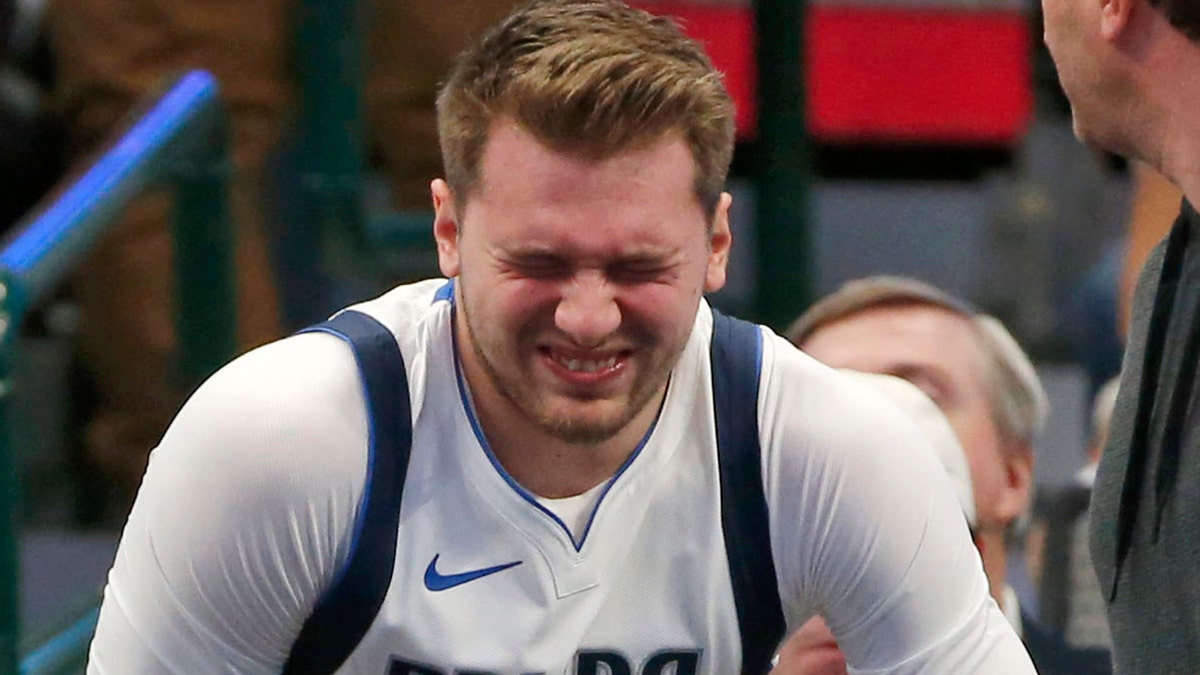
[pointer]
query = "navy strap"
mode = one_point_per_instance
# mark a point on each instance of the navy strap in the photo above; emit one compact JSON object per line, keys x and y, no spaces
{"x":346,"y":611}
{"x":736,"y":362}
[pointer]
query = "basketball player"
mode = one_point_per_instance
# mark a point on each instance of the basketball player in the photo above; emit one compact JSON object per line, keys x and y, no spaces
{"x":603,"y":475}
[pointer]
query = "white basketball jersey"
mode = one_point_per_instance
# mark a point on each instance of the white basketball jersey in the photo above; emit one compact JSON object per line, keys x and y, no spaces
{"x":487,"y":580}
{"x":257,"y":500}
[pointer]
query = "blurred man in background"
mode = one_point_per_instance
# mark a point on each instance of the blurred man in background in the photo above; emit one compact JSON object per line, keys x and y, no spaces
{"x":1069,"y":595}
{"x":977,"y":374}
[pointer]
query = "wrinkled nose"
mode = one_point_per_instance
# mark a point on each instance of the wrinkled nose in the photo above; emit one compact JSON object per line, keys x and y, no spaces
{"x":588,"y":311}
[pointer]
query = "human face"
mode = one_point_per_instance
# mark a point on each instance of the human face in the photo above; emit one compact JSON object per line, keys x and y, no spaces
{"x":1079,"y":36}
{"x":578,"y":280}
{"x":1063,"y":33}
{"x":937,"y":351}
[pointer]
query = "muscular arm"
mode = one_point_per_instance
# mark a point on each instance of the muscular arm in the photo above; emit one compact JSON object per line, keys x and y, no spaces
{"x":243,"y":517}
{"x":867,"y":531}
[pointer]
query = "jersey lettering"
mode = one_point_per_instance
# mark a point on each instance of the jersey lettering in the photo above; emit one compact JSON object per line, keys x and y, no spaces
{"x":401,"y":667}
{"x":599,"y":662}
{"x":685,"y":663}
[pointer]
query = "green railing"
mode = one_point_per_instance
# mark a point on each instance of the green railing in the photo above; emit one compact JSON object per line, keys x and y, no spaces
{"x":180,"y":141}
{"x":782,"y":173}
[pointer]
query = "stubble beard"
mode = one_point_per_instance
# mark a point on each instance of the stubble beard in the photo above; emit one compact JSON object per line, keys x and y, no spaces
{"x":573,"y":429}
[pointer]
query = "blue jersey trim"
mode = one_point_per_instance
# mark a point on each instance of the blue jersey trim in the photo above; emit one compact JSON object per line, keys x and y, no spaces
{"x":737,"y":348}
{"x":359,"y":525}
{"x":469,"y":409}
{"x":347,"y":609}
{"x":446,"y":292}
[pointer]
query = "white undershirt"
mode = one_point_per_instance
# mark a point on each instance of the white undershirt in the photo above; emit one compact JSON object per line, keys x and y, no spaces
{"x":575,"y":511}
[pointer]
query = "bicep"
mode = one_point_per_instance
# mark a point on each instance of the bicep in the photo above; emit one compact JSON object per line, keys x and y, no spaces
{"x":195,"y":587}
{"x":241,"y":522}
{"x":868,"y":533}
{"x":883,"y":554}
{"x":891,"y":567}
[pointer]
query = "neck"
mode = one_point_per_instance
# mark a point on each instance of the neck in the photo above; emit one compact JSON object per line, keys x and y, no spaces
{"x":1170,"y":87}
{"x":1183,"y":169}
{"x":995,"y":562}
{"x":549,"y":466}
{"x":1178,"y":154}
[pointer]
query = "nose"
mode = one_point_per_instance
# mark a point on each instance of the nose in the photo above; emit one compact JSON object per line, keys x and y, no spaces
{"x":587,"y":311}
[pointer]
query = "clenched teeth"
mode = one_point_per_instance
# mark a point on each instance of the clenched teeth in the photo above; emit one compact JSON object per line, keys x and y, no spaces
{"x":587,"y":365}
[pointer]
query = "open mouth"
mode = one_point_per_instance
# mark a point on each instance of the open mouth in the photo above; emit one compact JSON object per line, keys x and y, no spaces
{"x":585,"y":365}
{"x":585,"y":368}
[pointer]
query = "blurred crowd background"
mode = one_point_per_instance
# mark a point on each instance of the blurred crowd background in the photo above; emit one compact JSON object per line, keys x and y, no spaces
{"x":936,"y":144}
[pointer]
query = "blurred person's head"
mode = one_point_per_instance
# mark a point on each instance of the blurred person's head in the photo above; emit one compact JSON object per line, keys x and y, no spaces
{"x":592,"y":78}
{"x":1128,"y":68}
{"x":967,"y":363}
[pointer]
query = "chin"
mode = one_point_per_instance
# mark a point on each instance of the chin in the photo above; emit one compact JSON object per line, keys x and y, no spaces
{"x":1084,"y":131}
{"x":583,"y":427}
{"x":1100,"y":137}
{"x":1078,"y":129}
{"x":581,"y":432}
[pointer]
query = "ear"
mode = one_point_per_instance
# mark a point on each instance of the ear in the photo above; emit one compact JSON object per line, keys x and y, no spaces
{"x":1114,"y":17}
{"x":445,"y":227}
{"x":719,"y":242}
{"x":1018,"y":482}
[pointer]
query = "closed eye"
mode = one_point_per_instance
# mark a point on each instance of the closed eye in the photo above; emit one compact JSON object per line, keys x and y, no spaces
{"x":538,"y":266}
{"x":639,"y":271}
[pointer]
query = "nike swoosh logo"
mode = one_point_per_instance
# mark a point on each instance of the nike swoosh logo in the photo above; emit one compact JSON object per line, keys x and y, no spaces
{"x":436,"y":581}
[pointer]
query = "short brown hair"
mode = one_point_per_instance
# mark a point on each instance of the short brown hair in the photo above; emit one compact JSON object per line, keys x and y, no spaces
{"x":1018,"y":401}
{"x":1184,"y":15}
{"x":593,"y":77}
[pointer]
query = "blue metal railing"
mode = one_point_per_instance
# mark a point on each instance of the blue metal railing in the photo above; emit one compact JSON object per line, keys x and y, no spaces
{"x":65,"y":650}
{"x":180,"y":141}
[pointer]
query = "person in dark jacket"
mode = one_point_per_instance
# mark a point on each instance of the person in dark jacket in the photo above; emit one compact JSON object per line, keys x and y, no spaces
{"x":1129,"y":69}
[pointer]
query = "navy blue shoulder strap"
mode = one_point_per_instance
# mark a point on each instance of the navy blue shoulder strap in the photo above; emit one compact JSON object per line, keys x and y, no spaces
{"x":345,"y":612}
{"x":736,"y":362}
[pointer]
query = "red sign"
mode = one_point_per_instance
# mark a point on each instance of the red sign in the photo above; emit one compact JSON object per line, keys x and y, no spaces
{"x":889,"y":74}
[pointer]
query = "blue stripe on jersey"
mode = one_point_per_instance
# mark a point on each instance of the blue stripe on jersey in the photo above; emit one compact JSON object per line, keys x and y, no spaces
{"x":446,"y":292}
{"x":346,"y":610}
{"x":736,"y":370}
{"x":517,"y":487}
